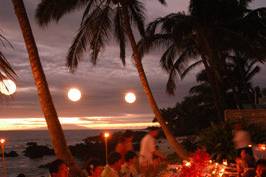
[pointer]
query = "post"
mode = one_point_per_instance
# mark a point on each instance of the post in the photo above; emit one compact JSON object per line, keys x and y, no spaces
{"x":106,"y":152}
{"x":2,"y":141}
{"x":106,"y":136}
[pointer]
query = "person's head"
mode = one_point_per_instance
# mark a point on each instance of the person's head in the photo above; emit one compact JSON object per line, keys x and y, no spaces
{"x":261,"y":168}
{"x":131,"y":157}
{"x":94,"y":168}
{"x":154,"y":132}
{"x":115,"y":160}
{"x":58,"y":168}
{"x":243,"y":154}
{"x":126,"y":137}
{"x":21,"y":175}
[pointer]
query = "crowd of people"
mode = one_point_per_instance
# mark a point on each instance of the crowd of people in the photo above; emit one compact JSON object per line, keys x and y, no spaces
{"x":123,"y":162}
{"x":247,"y":165}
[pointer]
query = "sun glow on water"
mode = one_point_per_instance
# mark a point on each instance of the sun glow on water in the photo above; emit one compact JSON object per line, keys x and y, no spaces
{"x":74,"y":123}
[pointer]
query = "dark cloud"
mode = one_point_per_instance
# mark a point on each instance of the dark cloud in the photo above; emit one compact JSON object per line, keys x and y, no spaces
{"x":103,"y":86}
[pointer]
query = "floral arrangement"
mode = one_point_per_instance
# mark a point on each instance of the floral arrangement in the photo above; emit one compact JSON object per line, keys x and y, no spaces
{"x":197,"y":166}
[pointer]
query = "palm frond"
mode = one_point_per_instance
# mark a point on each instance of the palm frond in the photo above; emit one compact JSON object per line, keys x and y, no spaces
{"x":101,"y":32}
{"x":119,"y":34}
{"x":4,"y":40}
{"x":94,"y":31}
{"x":171,"y":86}
{"x":168,"y":57}
{"x":177,"y":23}
{"x":190,"y":68}
{"x":151,"y":42}
{"x":162,"y":2}
{"x":89,"y":6}
{"x":137,"y":9}
{"x":49,"y":10}
{"x":151,"y":28}
{"x":6,"y":71}
{"x":252,"y":73}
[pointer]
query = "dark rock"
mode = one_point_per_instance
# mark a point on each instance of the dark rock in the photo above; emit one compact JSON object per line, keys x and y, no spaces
{"x":34,"y":150}
{"x":45,"y":165}
{"x":10,"y":154}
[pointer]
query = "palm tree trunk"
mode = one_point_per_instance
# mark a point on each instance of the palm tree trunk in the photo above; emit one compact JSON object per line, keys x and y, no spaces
{"x":215,"y":89}
{"x":46,"y":102}
{"x":136,"y":56}
{"x":212,"y":73}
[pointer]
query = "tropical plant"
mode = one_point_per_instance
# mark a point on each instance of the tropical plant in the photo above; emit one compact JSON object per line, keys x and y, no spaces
{"x":193,"y":38}
{"x":46,"y":102}
{"x":241,"y":71}
{"x":218,"y":141}
{"x":6,"y":70}
{"x":100,"y":20}
{"x":218,"y":138}
{"x":182,"y":119}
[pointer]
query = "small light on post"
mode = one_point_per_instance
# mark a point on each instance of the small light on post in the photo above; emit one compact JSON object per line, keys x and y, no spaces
{"x":2,"y":142}
{"x":106,"y":136}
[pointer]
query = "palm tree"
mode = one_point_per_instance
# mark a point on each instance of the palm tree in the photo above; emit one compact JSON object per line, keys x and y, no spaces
{"x":194,"y":36}
{"x":241,"y":71}
{"x":95,"y":30}
{"x":6,"y":70}
{"x":46,"y":102}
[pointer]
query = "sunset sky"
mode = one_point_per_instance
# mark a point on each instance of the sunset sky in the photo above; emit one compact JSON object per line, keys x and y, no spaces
{"x":103,"y":86}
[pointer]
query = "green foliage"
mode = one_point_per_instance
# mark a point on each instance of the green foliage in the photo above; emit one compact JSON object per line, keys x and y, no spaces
{"x":218,"y":140}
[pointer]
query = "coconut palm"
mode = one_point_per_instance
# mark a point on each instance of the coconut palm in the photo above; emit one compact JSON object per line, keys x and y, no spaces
{"x":6,"y":70}
{"x":46,"y":102}
{"x":241,"y":71}
{"x":207,"y":34}
{"x":100,"y":20}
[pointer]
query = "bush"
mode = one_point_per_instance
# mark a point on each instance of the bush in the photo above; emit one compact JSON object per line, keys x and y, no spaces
{"x":218,"y":141}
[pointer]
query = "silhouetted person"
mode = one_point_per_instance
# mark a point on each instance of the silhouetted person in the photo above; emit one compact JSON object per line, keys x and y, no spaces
{"x":114,"y":165}
{"x":129,"y":168}
{"x":94,"y":168}
{"x":261,"y":168}
{"x":242,"y":139}
{"x":148,"y":150}
{"x":58,"y":168}
{"x":124,"y":144}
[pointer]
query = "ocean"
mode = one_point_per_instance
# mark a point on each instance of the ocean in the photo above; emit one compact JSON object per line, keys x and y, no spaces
{"x":16,"y":141}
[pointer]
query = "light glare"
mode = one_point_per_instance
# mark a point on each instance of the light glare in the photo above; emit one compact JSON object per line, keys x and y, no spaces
{"x":2,"y":141}
{"x":130,"y":97}
{"x":106,"y":135}
{"x":74,"y":94}
{"x":7,"y":87}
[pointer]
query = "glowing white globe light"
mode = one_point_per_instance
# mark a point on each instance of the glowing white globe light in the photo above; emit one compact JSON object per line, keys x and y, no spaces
{"x":7,"y":87}
{"x":130,"y":97}
{"x":74,"y":94}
